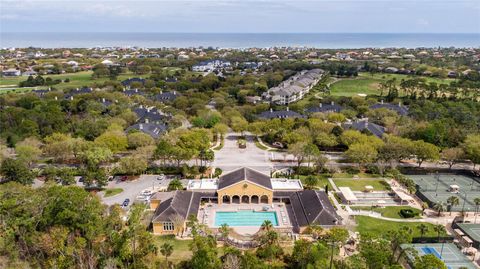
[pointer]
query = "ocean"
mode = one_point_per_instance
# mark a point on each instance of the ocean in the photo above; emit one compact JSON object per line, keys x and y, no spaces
{"x":234,"y":40}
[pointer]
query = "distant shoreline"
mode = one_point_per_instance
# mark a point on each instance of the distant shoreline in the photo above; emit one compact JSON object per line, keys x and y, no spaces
{"x":239,"y":40}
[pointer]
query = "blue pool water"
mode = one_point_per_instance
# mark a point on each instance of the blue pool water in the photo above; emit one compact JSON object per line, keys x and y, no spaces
{"x":245,"y":218}
{"x":429,"y":250}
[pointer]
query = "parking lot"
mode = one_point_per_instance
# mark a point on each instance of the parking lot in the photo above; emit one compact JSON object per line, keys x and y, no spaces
{"x":131,"y":189}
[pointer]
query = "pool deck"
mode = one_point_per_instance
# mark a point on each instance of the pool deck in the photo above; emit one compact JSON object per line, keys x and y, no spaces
{"x":207,"y":215}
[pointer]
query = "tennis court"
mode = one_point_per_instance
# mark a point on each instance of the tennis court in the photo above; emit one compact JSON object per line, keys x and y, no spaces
{"x":438,"y":188}
{"x":449,"y":254}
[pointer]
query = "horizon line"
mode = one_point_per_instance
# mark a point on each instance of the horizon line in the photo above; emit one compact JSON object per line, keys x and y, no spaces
{"x":260,"y":33}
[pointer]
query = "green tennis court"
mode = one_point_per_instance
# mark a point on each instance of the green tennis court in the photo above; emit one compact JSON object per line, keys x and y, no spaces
{"x":448,"y":253}
{"x":436,"y":188}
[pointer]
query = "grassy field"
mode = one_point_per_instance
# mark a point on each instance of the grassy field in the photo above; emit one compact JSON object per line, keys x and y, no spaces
{"x":353,"y":87}
{"x":369,"y":225}
{"x":399,"y":77}
{"x":181,"y":248}
{"x":389,"y":211}
{"x":368,"y":84}
{"x":322,"y":181}
{"x":112,"y":192}
{"x":77,"y":80}
{"x":359,"y":175}
{"x":359,"y":184}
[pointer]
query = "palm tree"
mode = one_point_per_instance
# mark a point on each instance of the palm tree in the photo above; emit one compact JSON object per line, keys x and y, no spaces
{"x":439,"y":207}
{"x":267,"y":225}
{"x":311,"y":182}
{"x":166,"y":249}
{"x":423,"y":229}
{"x":175,"y":184}
{"x":440,"y":229}
{"x":424,"y":207}
{"x":452,"y":201}
{"x":477,"y":204}
{"x":224,"y":231}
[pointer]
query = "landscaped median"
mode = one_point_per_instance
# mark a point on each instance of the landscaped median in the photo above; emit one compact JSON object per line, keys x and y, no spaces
{"x":112,"y":192}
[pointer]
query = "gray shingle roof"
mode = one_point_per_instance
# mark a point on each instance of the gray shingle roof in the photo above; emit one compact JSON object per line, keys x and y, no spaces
{"x":375,"y":129}
{"x":401,"y":110}
{"x":311,"y":207}
{"x":325,"y":108}
{"x":155,"y":130}
{"x":166,"y":96}
{"x":281,"y":114}
{"x":244,"y":173}
{"x":182,"y":203}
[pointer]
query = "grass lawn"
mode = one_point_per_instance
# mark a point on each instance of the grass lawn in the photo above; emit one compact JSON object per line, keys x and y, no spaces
{"x":77,"y":80}
{"x":359,"y":175}
{"x":368,"y":84}
{"x":369,"y":225}
{"x":323,"y":180}
{"x":181,"y":248}
{"x":353,"y":87}
{"x":399,"y":77}
{"x":359,"y":184}
{"x":389,"y":211}
{"x":112,"y":192}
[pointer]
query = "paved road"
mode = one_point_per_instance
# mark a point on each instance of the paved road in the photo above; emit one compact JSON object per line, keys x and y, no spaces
{"x":231,"y":157}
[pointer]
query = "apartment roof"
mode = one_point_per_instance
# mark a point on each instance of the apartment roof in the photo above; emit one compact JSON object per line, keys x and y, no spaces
{"x":247,"y":174}
{"x":281,"y":114}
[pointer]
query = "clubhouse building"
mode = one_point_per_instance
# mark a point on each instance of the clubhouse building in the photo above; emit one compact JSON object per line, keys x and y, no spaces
{"x":243,"y":199}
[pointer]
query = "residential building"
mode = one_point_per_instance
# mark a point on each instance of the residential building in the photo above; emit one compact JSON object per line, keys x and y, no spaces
{"x":280,"y":114}
{"x":294,"y":88}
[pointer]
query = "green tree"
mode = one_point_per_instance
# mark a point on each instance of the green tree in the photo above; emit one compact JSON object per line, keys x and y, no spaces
{"x":361,"y":154}
{"x":452,"y":201}
{"x":239,"y":124}
{"x":133,"y":165}
{"x":452,"y":156}
{"x":166,"y":249}
{"x":439,"y":207}
{"x":311,"y":181}
{"x":204,"y":253}
{"x":28,"y":150}
{"x":114,"y":140}
{"x":429,"y":261}
{"x":423,"y":228}
{"x":425,"y":152}
{"x":16,"y":170}
{"x":476,"y":201}
{"x":224,"y":231}
{"x":139,"y":139}
{"x":175,"y":184}
{"x":471,"y":145}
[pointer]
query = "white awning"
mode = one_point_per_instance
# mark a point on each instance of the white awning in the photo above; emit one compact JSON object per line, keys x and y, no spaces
{"x":467,"y":239}
{"x":402,"y":195}
{"x":348,"y":194}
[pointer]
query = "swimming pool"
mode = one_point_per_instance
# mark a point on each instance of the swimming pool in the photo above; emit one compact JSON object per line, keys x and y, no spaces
{"x":245,"y":218}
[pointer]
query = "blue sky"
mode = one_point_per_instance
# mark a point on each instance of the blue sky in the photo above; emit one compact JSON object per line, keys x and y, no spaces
{"x":242,"y":16}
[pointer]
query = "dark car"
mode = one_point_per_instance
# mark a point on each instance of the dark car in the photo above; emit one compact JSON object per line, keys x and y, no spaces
{"x":126,"y":202}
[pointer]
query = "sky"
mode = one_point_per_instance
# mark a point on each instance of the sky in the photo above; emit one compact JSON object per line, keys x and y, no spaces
{"x":242,"y":16}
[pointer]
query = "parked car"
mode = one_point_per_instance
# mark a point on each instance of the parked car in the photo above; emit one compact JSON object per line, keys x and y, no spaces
{"x":161,"y":177}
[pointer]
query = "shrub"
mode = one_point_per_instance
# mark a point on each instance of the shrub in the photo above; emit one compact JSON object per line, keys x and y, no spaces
{"x":407,"y":213}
